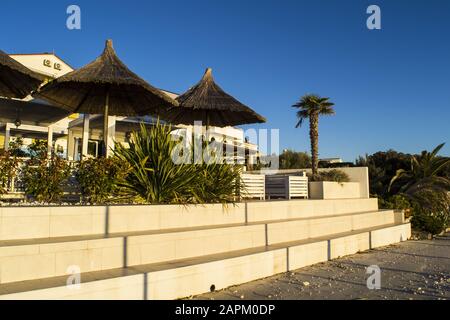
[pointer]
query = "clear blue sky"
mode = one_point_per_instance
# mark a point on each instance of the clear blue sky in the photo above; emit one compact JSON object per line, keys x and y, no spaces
{"x":391,"y":86}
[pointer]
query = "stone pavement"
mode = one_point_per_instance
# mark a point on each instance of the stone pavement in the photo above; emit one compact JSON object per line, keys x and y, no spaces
{"x":410,"y":270}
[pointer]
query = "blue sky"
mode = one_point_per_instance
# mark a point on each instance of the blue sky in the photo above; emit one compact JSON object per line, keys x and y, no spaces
{"x":391,"y":87}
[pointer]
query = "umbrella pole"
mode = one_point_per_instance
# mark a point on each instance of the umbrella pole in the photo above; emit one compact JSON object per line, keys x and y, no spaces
{"x":105,"y":126}
{"x":207,"y":127}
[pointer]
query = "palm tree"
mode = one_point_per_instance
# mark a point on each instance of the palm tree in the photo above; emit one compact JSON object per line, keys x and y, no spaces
{"x":424,"y":174}
{"x":310,"y":107}
{"x":427,"y":188}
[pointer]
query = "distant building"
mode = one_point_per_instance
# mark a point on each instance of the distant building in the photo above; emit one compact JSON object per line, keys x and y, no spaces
{"x":331,"y":160}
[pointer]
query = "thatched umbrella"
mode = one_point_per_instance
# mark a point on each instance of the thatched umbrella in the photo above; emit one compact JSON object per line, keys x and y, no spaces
{"x":208,"y":103}
{"x":16,"y":80}
{"x":34,"y":112}
{"x":106,"y":86}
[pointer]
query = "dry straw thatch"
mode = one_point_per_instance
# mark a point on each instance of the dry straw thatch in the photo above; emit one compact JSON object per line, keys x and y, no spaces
{"x":106,"y":81}
{"x":208,"y":103}
{"x":16,"y":80}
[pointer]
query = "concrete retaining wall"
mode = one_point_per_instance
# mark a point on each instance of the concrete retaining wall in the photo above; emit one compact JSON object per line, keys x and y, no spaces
{"x":29,"y":261}
{"x":49,"y":222}
{"x":179,"y":282}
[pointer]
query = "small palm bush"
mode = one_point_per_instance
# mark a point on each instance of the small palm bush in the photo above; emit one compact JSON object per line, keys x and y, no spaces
{"x":333,"y":175}
{"x":427,"y":190}
{"x":98,"y":179}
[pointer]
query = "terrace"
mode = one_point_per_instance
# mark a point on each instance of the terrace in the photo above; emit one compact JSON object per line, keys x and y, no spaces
{"x":140,"y":226}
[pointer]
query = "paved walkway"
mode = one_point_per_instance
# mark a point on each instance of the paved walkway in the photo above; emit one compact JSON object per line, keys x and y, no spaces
{"x":410,"y":270}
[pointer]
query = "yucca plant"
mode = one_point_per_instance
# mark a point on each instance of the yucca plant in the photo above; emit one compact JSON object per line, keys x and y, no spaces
{"x":153,"y":176}
{"x":219,"y":183}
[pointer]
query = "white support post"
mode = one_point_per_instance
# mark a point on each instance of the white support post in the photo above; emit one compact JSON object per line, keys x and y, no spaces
{"x":111,"y":136}
{"x":75,"y":148}
{"x":70,"y":145}
{"x":49,"y":142}
{"x":85,"y":137}
{"x":7,"y":136}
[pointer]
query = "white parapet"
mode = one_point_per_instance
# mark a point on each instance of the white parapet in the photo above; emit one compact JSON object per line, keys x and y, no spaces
{"x":180,"y":279}
{"x":334,"y":190}
{"x":35,"y":259}
{"x":64,"y":221}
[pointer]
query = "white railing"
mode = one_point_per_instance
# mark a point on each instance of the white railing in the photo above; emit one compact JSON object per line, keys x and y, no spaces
{"x":254,"y":186}
{"x":14,"y":187}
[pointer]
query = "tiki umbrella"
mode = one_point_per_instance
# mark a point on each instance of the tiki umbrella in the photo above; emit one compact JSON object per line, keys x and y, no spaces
{"x":16,"y":80}
{"x":106,"y":86}
{"x":208,"y":103}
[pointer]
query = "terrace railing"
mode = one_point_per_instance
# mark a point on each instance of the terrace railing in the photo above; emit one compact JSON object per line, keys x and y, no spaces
{"x":13,"y":187}
{"x":254,"y":186}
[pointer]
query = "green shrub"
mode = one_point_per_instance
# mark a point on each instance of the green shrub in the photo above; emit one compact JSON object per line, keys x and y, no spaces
{"x":290,"y":159}
{"x":334,"y":175}
{"x":218,"y":183}
{"x":9,"y":164}
{"x":98,"y":179}
{"x":44,"y":178}
{"x":431,"y":211}
{"x":153,"y":176}
{"x":382,"y":167}
{"x":16,"y":148}
{"x":38,"y":149}
{"x":397,"y":202}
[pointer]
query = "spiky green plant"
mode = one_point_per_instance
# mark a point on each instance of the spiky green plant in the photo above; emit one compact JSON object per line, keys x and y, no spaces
{"x":219,"y":183}
{"x":153,"y":177}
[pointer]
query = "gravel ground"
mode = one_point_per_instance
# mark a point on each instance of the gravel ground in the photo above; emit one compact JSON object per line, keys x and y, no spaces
{"x":409,"y":271}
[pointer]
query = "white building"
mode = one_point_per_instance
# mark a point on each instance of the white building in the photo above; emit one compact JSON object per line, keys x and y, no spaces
{"x":66,"y":135}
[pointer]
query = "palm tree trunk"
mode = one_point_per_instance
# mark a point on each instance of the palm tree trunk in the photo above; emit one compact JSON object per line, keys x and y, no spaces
{"x":314,"y":136}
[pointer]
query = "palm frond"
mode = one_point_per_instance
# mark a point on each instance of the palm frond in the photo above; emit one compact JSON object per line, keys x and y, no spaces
{"x":436,"y":150}
{"x":311,"y":104}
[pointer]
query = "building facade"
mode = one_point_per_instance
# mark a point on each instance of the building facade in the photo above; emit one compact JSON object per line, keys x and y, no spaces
{"x":76,"y":136}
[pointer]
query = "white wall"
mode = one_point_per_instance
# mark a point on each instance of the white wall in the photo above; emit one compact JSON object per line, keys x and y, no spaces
{"x":356,"y":174}
{"x":46,"y":64}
